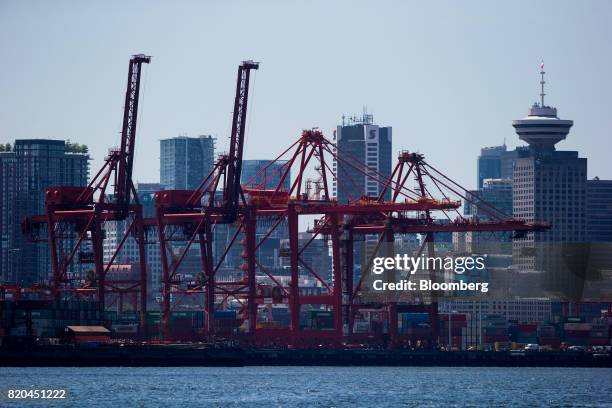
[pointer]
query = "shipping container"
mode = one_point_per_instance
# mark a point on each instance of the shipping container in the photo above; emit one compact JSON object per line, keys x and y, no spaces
{"x":599,"y":334}
{"x":454,"y":317}
{"x":577,"y":326}
{"x":527,"y":340}
{"x":361,"y":327}
{"x":555,"y":342}
{"x":445,"y":325}
{"x":493,"y":331}
{"x":321,"y":313}
{"x":418,"y":317}
{"x":225,"y":314}
{"x":577,"y":341}
{"x":43,"y":314}
{"x":577,"y":333}
{"x":421,"y":334}
{"x":527,"y":327}
{"x":493,"y":339}
{"x":599,"y":341}
{"x":546,"y":331}
{"x":125,"y":328}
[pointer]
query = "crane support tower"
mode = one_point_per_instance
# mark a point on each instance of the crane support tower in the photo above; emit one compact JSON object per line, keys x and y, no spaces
{"x":188,"y":217}
{"x":77,"y":220}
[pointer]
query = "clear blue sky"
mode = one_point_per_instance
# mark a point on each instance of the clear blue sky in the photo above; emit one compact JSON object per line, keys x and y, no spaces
{"x":449,"y":76}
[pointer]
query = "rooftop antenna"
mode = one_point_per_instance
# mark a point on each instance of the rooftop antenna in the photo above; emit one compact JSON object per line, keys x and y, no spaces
{"x":542,"y":82}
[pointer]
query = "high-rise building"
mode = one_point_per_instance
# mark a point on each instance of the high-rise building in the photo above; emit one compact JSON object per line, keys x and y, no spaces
{"x":599,"y":210}
{"x":27,"y":171}
{"x":185,"y":161}
{"x":9,"y":229}
{"x":128,"y":255}
{"x":314,"y":255}
{"x":494,"y":192}
{"x":549,"y":185}
{"x":146,"y":195}
{"x":267,"y":174}
{"x":364,"y":163}
{"x":496,"y":162}
{"x":598,"y":283}
{"x":508,"y":158}
{"x":489,"y":163}
{"x":360,"y":142}
{"x":520,"y":311}
{"x":494,"y":188}
{"x":264,"y":174}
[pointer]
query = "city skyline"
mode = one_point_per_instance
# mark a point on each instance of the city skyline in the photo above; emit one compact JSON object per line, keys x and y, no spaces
{"x":483,"y":80}
{"x":281,"y":192}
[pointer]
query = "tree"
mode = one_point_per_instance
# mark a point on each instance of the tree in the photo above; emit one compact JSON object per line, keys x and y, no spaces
{"x":75,"y":147}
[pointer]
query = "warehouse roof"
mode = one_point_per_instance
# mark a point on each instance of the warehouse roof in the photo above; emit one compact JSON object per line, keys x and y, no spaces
{"x":88,"y":329}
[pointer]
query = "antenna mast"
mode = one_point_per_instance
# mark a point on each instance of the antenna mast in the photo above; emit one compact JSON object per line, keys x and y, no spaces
{"x":542,"y":82}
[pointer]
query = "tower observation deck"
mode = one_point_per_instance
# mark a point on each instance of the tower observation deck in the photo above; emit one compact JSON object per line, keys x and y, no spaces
{"x":542,"y":128}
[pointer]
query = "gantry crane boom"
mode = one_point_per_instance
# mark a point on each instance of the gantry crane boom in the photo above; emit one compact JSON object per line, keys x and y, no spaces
{"x":123,"y":185}
{"x":231,"y":193}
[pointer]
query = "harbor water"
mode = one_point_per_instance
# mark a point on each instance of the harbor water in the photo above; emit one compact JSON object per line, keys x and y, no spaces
{"x":313,"y":386}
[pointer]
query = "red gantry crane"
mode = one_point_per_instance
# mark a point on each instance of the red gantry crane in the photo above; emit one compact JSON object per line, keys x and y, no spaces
{"x":188,"y":217}
{"x":408,"y":211}
{"x":77,"y":218}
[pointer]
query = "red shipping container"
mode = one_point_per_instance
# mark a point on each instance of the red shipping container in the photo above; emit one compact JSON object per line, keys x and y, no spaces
{"x":546,"y":331}
{"x":598,"y":341}
{"x":453,"y":324}
{"x":453,"y":317}
{"x":418,"y":332}
{"x":455,"y":331}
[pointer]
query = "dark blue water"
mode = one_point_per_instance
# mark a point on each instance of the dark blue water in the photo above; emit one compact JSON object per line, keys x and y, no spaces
{"x":315,"y":386}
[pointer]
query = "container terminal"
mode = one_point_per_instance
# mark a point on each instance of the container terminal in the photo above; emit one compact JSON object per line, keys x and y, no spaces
{"x":252,"y":316}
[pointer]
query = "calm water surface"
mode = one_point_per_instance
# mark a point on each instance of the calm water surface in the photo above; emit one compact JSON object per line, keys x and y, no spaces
{"x":315,"y":386}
